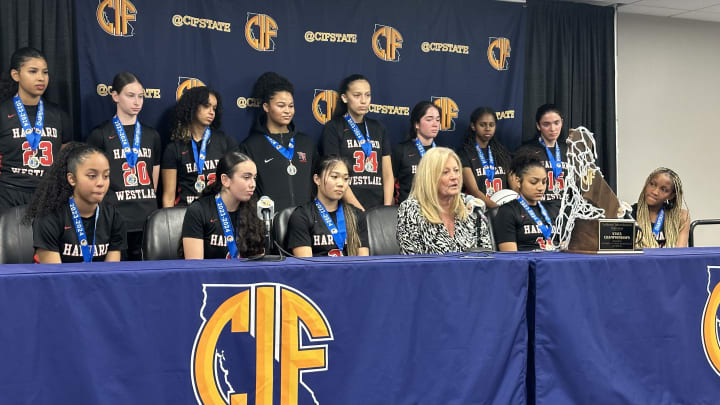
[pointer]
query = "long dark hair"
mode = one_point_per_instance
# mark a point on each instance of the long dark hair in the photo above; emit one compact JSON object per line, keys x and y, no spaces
{"x":340,"y":106}
{"x":8,"y":86}
{"x":186,"y":108}
{"x":416,"y":115}
{"x":500,"y":153}
{"x":544,"y":109}
{"x":54,"y":189}
{"x":248,"y":229}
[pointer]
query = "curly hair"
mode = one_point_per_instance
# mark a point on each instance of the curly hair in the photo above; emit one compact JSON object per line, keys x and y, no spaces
{"x":185,"y":110}
{"x":524,"y":162}
{"x":500,"y":153}
{"x":270,"y":83}
{"x":340,"y":106}
{"x":8,"y":86}
{"x":54,"y":189}
{"x":673,"y":212}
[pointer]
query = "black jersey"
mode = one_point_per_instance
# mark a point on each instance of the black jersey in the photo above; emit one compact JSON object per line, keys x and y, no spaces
{"x":136,"y":202}
{"x":307,"y":228}
{"x":660,"y":237}
{"x":513,"y":224}
{"x":15,"y":149}
{"x":405,"y":160}
{"x":179,"y":155}
{"x":273,"y":179}
{"x":366,"y":179}
{"x":535,"y":147}
{"x":56,"y":233}
{"x":469,"y":158}
{"x":203,"y":222}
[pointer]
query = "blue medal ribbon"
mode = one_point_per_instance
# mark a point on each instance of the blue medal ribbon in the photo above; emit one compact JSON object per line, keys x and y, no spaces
{"x":338,"y":232}
{"x":420,"y":147}
{"x":545,"y":229}
{"x":227,"y":227}
{"x":200,"y":157}
{"x":489,"y":164}
{"x":555,"y":161}
{"x":131,"y":155}
{"x":87,"y":250}
{"x":657,"y":226}
{"x":364,"y":141}
{"x":32,"y":135}
{"x":287,"y":152}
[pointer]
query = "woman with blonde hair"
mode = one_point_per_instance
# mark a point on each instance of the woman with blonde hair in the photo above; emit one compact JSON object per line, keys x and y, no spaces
{"x":659,"y":212}
{"x":434,"y":218}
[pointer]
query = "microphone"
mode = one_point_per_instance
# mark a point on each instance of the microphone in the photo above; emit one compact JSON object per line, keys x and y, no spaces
{"x":475,"y":204}
{"x":265,"y":211}
{"x":478,"y":206}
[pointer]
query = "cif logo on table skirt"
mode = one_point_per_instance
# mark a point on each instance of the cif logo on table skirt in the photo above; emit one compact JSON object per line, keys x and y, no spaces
{"x":269,"y":323}
{"x":323,"y":105}
{"x":122,"y":12}
{"x":386,"y":41}
{"x":186,"y":83}
{"x":499,"y":53}
{"x":259,"y":31}
{"x":448,"y":112}
{"x":710,"y":327}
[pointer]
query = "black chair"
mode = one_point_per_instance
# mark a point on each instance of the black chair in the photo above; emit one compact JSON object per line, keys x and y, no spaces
{"x":163,"y":231}
{"x":491,"y":214}
{"x":699,"y":222}
{"x":16,"y":238}
{"x":280,"y":227}
{"x":382,"y":230}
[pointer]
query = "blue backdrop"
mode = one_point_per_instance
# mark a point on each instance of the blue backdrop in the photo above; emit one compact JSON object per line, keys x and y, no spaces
{"x":463,"y":53}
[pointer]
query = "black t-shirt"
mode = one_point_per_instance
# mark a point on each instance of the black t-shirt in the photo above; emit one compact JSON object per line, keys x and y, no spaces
{"x":513,"y":224}
{"x":307,"y":228}
{"x":660,"y":237}
{"x":135,"y":203}
{"x":15,"y":149}
{"x":469,"y":158}
{"x":273,"y":179}
{"x":56,"y":233}
{"x":534,"y":146}
{"x":203,"y":222}
{"x":179,"y":155}
{"x":338,"y":139}
{"x":405,"y":160}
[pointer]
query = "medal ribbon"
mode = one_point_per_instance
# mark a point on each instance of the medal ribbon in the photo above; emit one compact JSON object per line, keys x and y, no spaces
{"x":32,"y":136}
{"x":87,"y":250}
{"x":131,"y":155}
{"x":362,"y":140}
{"x":545,"y":229}
{"x":420,"y":146}
{"x":200,"y":157}
{"x":338,"y":232}
{"x":287,"y":152}
{"x":489,"y":164}
{"x":556,"y":161}
{"x":657,"y":226}
{"x":227,"y":227}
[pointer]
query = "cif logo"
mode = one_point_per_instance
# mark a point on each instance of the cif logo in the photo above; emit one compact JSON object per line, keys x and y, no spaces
{"x":710,"y":322}
{"x":326,"y":99}
{"x":386,"y":41}
{"x":186,"y":83}
{"x":499,"y":53}
{"x":123,"y":11}
{"x":271,"y":321}
{"x":448,"y":112}
{"x":259,"y":30}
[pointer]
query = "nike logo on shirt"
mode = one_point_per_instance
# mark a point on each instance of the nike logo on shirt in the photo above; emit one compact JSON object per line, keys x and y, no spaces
{"x":68,"y":227}
{"x":112,"y":136}
{"x":11,"y":115}
{"x":268,"y":160}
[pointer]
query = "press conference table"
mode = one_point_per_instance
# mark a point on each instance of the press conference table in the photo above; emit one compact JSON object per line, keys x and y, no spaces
{"x":386,"y":330}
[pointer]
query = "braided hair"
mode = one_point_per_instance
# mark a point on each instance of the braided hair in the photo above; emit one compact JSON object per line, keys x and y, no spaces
{"x":673,"y":212}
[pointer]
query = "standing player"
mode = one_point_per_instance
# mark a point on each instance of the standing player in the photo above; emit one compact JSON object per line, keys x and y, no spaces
{"x":134,"y":152}
{"x":362,"y":140}
{"x":659,"y":212}
{"x":327,"y":226}
{"x":285,"y":156}
{"x":549,"y":149}
{"x":70,"y":224}
{"x":189,"y":161}
{"x":31,"y":130}
{"x":424,"y":128}
{"x":484,"y":159}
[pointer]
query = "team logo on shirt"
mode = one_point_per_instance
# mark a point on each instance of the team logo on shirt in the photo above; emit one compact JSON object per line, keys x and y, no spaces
{"x":710,"y":326}
{"x":499,"y":53}
{"x":323,"y":105}
{"x":449,"y":111}
{"x":386,"y":41}
{"x":114,"y":17}
{"x":186,"y":83}
{"x":283,"y":329}
{"x":259,"y":31}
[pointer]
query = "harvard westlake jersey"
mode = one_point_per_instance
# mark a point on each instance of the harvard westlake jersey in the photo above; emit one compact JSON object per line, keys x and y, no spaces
{"x":338,"y":139}
{"x":534,"y":146}
{"x":405,"y":160}
{"x":469,"y":158}
{"x":307,"y":228}
{"x":135,"y":203}
{"x":513,"y":224}
{"x":179,"y":155}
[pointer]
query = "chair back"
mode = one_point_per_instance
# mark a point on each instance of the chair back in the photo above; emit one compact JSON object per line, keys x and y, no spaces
{"x":163,"y":231}
{"x":16,"y":238}
{"x":280,"y":227}
{"x":382,"y":230}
